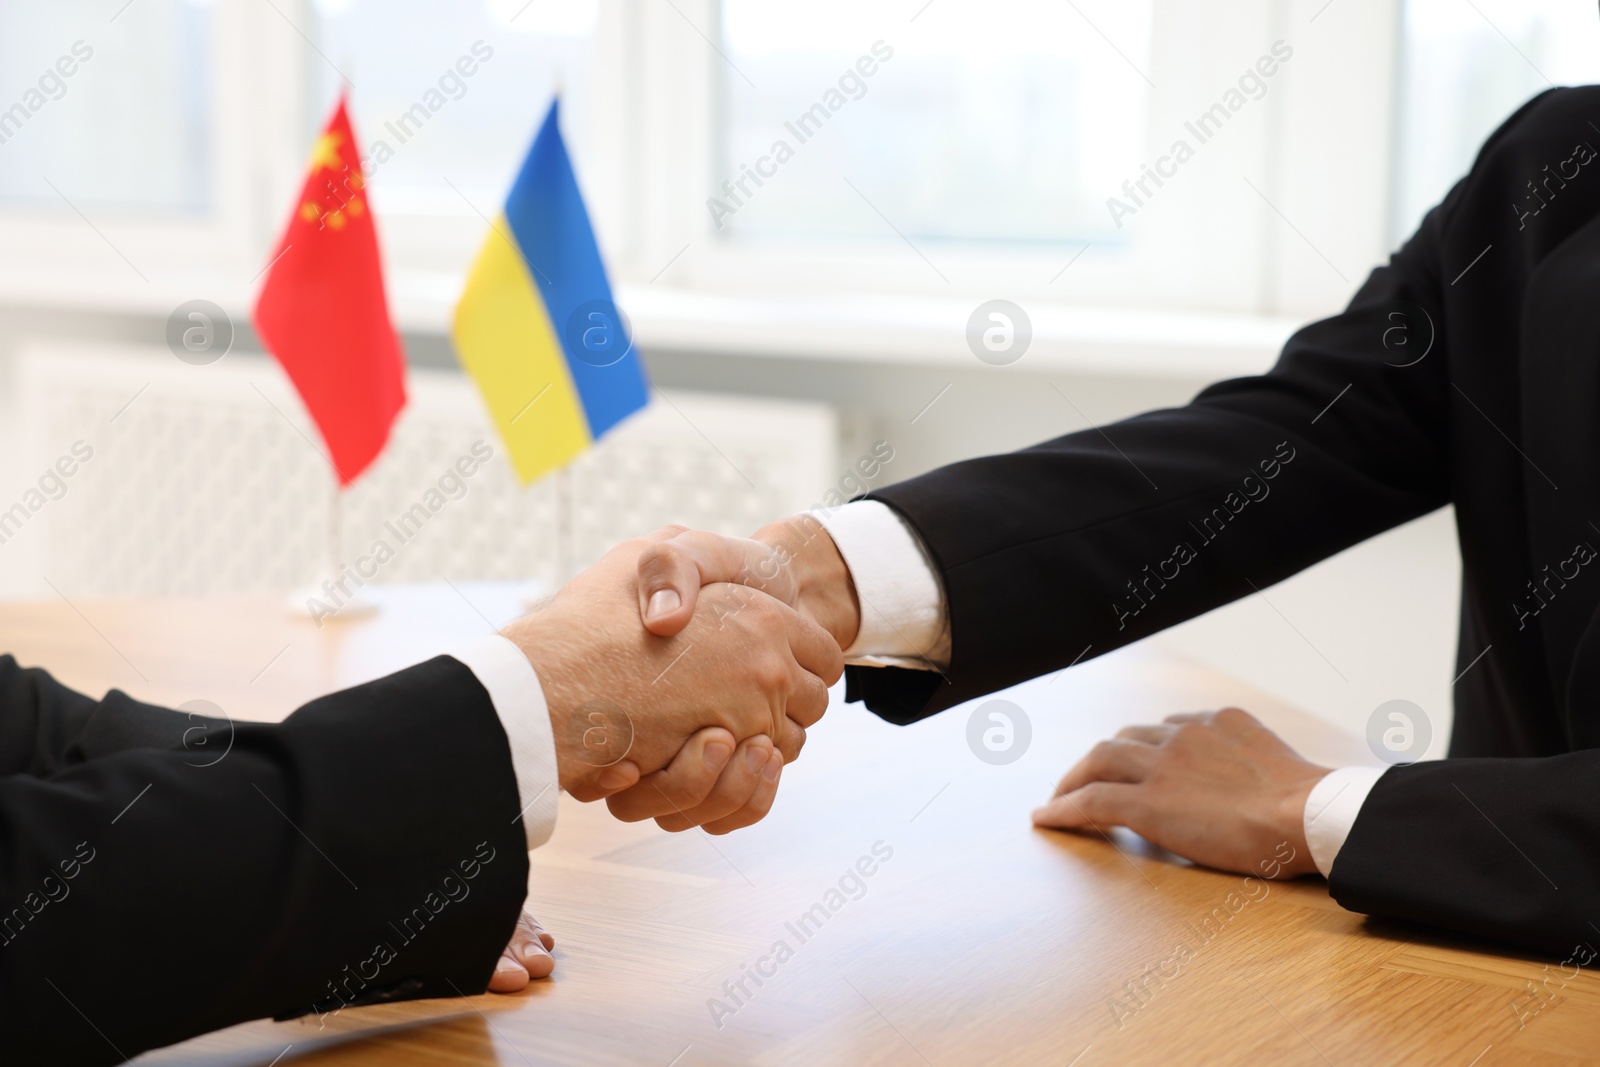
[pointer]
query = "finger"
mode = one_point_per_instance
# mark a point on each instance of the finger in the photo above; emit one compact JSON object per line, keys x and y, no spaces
{"x":509,"y":974}
{"x":1150,"y":735}
{"x":671,"y":572}
{"x":813,"y":647}
{"x":531,"y":945}
{"x":788,"y":737}
{"x":525,"y":958}
{"x":621,"y":775}
{"x":1094,"y":807}
{"x":734,"y":788}
{"x":684,"y":783}
{"x":1189,"y":716}
{"x":1110,"y":761}
{"x":808,"y":698}
{"x":545,"y":937}
{"x":613,"y":779}
{"x":755,"y":809}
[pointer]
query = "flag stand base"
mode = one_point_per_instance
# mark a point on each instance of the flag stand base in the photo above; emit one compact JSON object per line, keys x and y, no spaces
{"x":339,"y":593}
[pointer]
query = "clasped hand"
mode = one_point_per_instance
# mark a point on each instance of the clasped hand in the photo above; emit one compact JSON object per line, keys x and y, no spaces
{"x":690,"y":717}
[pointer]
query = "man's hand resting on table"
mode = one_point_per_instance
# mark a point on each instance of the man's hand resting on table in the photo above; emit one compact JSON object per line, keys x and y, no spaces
{"x":527,"y":957}
{"x":1215,"y":787}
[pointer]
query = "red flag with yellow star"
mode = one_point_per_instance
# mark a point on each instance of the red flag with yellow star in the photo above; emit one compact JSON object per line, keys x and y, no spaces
{"x":323,"y":312}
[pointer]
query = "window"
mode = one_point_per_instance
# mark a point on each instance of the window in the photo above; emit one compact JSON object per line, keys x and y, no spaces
{"x":68,"y":118}
{"x":984,"y":154}
{"x":435,"y":134}
{"x":940,"y":149}
{"x":1465,"y":68}
{"x":1002,"y":122}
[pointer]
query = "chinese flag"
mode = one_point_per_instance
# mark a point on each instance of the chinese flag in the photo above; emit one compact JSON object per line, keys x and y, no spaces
{"x":323,"y":313}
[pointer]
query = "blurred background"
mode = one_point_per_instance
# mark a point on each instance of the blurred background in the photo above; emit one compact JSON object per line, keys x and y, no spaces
{"x":792,"y":323}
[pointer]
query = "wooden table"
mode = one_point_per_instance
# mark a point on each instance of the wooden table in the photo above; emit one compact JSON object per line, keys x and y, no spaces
{"x":976,"y":939}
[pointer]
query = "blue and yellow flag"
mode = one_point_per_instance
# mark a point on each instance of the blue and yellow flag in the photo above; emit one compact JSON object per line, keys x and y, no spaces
{"x":536,"y":326}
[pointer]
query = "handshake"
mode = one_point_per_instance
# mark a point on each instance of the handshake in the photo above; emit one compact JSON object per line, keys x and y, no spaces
{"x":682,"y":670}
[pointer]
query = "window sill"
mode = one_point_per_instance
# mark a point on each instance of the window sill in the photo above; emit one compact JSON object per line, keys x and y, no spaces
{"x":887,"y":330}
{"x":917,"y":331}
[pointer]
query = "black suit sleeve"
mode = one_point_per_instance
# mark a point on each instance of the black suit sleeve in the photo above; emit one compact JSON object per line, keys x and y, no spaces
{"x":1082,"y":544}
{"x":1498,"y":848}
{"x":1096,"y":539}
{"x":367,"y":848}
{"x":45,"y":727}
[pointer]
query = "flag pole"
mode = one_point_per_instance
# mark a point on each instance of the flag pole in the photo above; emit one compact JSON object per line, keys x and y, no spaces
{"x":564,"y":518}
{"x":564,"y":524}
{"x":335,"y":529}
{"x":340,"y":593}
{"x":538,"y":592}
{"x":353,"y":599}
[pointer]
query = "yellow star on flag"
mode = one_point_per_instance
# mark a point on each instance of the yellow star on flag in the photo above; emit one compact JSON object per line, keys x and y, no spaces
{"x":325,"y":153}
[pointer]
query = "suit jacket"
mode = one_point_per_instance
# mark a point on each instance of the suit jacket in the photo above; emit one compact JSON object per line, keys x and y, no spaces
{"x":163,"y":875}
{"x":1465,"y":371}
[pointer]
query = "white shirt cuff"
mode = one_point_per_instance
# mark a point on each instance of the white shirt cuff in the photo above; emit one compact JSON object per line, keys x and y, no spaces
{"x":1331,"y":811}
{"x":518,"y":699}
{"x":903,"y":616}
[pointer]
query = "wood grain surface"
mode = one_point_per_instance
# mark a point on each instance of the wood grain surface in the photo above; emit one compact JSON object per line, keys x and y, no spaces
{"x":974,"y":939}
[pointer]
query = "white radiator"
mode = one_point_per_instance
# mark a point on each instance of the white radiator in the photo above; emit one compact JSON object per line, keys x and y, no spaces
{"x":210,"y":480}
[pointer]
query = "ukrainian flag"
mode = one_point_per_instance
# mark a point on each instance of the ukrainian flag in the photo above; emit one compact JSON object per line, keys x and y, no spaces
{"x":536,"y":326}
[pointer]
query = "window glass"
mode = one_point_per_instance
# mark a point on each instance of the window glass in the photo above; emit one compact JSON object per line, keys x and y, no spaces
{"x":112,"y":108}
{"x":425,"y":122}
{"x":1005,"y":121}
{"x":1464,"y":69}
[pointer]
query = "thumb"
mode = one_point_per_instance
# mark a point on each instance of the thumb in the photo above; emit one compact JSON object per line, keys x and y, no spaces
{"x":669,"y":585}
{"x":671,"y":572}
{"x":1096,"y":805}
